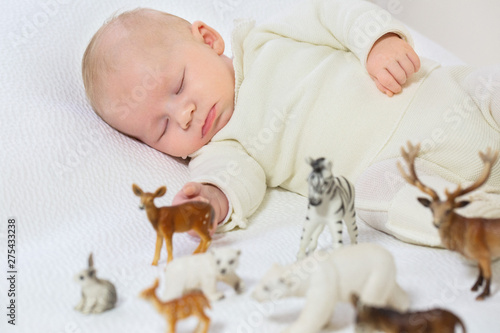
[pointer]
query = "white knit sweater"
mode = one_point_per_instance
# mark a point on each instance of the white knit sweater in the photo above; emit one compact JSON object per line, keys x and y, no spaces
{"x":302,"y":90}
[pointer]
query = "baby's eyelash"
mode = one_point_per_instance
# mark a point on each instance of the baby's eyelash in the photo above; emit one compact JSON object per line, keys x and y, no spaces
{"x":182,"y":83}
{"x":164,"y":130}
{"x":166,"y":125}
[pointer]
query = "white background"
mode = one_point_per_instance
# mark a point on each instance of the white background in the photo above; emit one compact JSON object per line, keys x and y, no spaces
{"x":468,"y":28}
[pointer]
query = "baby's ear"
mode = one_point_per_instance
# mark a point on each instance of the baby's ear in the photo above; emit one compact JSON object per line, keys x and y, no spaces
{"x":208,"y":35}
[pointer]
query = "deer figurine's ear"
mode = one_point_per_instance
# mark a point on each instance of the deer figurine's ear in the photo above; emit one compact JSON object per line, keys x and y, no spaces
{"x":462,"y":203}
{"x":160,"y":192}
{"x":424,"y":201}
{"x":309,"y":160}
{"x":91,"y":261}
{"x":137,"y":190}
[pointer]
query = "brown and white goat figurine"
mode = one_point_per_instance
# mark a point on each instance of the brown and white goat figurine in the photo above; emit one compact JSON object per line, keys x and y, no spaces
{"x":194,"y":215}
{"x":191,"y":304}
{"x":476,"y":238}
{"x":371,"y":319}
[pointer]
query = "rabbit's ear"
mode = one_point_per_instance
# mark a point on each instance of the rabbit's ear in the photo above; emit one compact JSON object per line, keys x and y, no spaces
{"x":91,"y":261}
{"x":91,"y":273}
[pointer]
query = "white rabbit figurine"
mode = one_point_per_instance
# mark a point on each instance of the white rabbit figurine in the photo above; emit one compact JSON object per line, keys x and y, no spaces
{"x":97,"y":295}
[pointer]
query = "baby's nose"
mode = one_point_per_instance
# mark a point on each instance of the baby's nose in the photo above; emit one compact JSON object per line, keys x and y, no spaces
{"x":185,"y":117}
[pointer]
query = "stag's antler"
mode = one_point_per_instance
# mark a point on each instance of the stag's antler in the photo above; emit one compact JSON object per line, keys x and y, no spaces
{"x":489,"y":158}
{"x":411,"y":177}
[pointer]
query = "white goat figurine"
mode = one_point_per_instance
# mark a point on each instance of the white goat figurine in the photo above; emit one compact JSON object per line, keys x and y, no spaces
{"x":331,"y":200}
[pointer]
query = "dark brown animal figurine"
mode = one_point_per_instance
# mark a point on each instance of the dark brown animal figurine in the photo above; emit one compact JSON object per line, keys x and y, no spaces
{"x":475,"y":238}
{"x":371,"y":319}
{"x":195,"y":215}
{"x":191,"y":304}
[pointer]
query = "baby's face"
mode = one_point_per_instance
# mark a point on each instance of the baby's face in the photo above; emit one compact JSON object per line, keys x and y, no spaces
{"x":175,"y":98}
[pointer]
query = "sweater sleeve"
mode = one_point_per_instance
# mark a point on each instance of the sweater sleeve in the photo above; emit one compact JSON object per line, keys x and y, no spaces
{"x":347,"y":25}
{"x":226,"y":165}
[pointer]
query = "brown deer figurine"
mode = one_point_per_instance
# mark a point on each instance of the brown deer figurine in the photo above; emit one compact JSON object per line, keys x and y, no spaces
{"x":194,"y":215}
{"x":476,"y":238}
{"x":371,"y":319}
{"x":191,"y":304}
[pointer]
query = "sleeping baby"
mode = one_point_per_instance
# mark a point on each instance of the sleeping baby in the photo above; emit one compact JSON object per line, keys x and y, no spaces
{"x":338,"y":79}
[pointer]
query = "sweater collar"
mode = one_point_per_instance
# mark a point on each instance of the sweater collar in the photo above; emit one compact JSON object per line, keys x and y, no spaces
{"x":241,"y":30}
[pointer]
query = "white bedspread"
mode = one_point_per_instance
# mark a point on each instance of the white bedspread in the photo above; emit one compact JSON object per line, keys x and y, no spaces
{"x":66,"y":182}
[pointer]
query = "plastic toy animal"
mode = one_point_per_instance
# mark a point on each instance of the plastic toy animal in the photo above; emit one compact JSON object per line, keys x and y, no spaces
{"x":326,"y":278}
{"x":191,"y":304}
{"x":374,"y":319}
{"x":97,"y":295}
{"x":331,"y":200}
{"x":202,"y":271}
{"x":196,"y":216}
{"x":475,"y":238}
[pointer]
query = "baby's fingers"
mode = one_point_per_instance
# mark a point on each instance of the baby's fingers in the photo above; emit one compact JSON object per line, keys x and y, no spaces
{"x":398,"y":73}
{"x":408,"y":65}
{"x":191,"y":189}
{"x":386,"y":80}
{"x":382,"y":88}
{"x":199,"y":198}
{"x":414,"y":59}
{"x":189,"y":192}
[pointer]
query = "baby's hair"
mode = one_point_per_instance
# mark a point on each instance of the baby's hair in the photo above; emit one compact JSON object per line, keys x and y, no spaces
{"x":95,"y":65}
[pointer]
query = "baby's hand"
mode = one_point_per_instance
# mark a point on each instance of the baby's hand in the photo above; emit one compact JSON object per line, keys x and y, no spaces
{"x":391,"y":62}
{"x":194,"y":191}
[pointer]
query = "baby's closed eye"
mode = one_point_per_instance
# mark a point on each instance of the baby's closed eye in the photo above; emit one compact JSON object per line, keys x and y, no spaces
{"x":165,"y":126}
{"x":181,"y":83}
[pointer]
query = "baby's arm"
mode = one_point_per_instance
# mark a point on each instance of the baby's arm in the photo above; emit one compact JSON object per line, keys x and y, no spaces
{"x":193,"y":191}
{"x":238,"y":182}
{"x":391,"y":62}
{"x":379,"y":41}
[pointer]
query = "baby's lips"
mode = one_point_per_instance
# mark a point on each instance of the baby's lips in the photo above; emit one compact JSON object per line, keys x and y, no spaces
{"x":208,"y":122}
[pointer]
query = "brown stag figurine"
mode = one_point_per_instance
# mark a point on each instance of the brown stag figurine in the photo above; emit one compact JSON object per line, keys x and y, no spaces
{"x":191,"y":304}
{"x":371,"y":319}
{"x":194,"y":215}
{"x":475,"y":238}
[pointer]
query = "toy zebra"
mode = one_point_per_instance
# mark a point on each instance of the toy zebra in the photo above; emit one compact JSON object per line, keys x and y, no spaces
{"x":331,"y":200}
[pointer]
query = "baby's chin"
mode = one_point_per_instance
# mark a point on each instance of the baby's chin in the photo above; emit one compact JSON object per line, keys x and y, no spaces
{"x":187,"y":154}
{"x":193,"y":149}
{"x":203,"y":143}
